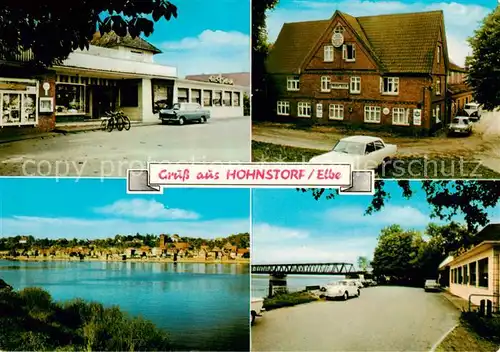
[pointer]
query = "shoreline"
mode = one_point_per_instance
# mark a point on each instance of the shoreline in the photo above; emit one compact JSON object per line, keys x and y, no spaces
{"x":131,"y":260}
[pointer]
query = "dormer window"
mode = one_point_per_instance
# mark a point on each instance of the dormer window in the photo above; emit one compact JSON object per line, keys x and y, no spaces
{"x":349,"y":52}
{"x":339,"y":29}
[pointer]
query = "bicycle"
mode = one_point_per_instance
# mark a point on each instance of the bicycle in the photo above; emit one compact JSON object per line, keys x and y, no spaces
{"x":125,"y":120}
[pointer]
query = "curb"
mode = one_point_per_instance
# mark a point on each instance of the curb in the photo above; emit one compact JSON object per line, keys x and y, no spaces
{"x":62,"y":131}
{"x":436,"y":345}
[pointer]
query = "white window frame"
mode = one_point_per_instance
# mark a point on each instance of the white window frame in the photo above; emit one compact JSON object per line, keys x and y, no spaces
{"x":438,"y":54}
{"x":393,"y":82}
{"x":326,"y":84}
{"x":355,"y":85}
{"x":339,"y":29}
{"x":344,"y":52}
{"x":293,"y":84}
{"x":400,"y":116}
{"x":303,"y":109}
{"x":438,"y":113}
{"x":319,"y":110}
{"x":336,"y":112}
{"x":373,"y":114}
{"x":328,"y":53}
{"x":438,"y":86}
{"x":283,"y":108}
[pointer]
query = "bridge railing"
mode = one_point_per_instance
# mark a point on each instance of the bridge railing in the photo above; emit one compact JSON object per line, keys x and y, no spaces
{"x":304,"y":269}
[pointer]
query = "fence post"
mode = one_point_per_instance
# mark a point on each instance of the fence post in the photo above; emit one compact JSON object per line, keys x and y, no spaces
{"x":482,"y":307}
{"x":489,"y":307}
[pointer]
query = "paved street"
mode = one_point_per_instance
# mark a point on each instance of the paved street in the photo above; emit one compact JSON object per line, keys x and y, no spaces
{"x":384,"y":318}
{"x":104,"y":154}
{"x":483,"y":145}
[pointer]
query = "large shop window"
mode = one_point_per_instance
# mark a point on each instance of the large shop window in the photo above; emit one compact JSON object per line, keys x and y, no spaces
{"x":18,"y":108}
{"x":70,"y":98}
{"x":236,"y":98}
{"x":182,"y":95}
{"x":207,"y":98}
{"x":196,"y":96}
{"x":227,"y":98}
{"x":218,"y":98}
{"x":129,"y":95}
{"x":483,"y":272}
{"x":472,"y":273}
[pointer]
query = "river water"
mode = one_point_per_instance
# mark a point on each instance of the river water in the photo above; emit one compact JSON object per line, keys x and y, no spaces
{"x":202,"y":306}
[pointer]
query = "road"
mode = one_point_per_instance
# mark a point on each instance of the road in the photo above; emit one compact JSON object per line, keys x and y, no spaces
{"x":483,"y":145}
{"x":385,"y":318}
{"x":104,"y":154}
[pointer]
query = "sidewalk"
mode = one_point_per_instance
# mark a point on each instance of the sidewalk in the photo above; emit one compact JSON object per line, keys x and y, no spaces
{"x":69,"y":127}
{"x":459,"y":302}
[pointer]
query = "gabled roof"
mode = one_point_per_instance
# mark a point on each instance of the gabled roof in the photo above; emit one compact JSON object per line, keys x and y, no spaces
{"x":400,"y":43}
{"x":455,"y":67}
{"x":111,"y":40}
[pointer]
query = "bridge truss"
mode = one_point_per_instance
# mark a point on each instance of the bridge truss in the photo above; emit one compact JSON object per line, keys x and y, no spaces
{"x":305,"y":269}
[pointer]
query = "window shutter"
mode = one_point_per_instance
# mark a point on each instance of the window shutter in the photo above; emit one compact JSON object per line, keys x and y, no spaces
{"x":381,"y":85}
{"x":344,"y":51}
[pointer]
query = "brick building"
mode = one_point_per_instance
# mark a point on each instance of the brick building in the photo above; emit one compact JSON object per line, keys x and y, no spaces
{"x":387,"y":70}
{"x":459,"y":92}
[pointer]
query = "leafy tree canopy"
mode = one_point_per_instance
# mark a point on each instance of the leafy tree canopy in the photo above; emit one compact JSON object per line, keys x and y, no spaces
{"x":472,"y":199}
{"x":484,"y":64}
{"x":52,"y":30}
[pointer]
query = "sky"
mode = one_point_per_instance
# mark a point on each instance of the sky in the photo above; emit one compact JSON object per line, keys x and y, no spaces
{"x":461,"y":17}
{"x":292,"y":227}
{"x":206,"y":37}
{"x":91,"y":208}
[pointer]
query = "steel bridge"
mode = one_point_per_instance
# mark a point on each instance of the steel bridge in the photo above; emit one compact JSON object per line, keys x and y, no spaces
{"x":305,"y":269}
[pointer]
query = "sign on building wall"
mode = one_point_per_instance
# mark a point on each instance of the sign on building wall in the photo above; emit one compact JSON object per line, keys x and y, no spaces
{"x":337,"y":39}
{"x":340,"y":85}
{"x":18,"y":102}
{"x":319,"y":111}
{"x":417,"y":117}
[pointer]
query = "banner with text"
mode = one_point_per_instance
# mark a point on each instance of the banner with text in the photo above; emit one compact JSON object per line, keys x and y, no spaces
{"x":252,"y":175}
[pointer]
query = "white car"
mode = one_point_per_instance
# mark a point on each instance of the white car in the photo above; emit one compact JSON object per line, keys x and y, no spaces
{"x":460,"y":125}
{"x":342,"y":289}
{"x":256,"y":308}
{"x":358,"y":282}
{"x":363,"y":152}
{"x":473,"y":110}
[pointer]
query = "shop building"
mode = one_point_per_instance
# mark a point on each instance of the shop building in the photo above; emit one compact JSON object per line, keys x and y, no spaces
{"x":475,"y":273}
{"x":113,"y":74}
{"x":377,"y":71}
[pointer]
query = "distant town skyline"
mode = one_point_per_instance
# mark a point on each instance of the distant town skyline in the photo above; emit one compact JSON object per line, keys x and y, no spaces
{"x":91,"y":209}
{"x":292,"y":227}
{"x":461,"y":17}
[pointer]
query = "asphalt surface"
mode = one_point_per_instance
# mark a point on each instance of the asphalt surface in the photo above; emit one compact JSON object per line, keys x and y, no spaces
{"x":385,"y":318}
{"x":105,"y":154}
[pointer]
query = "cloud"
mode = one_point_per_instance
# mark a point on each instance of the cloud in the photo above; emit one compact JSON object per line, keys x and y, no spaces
{"x":274,"y":244}
{"x":460,"y":19}
{"x":390,"y":214}
{"x":42,"y":227}
{"x":212,"y":51}
{"x":142,"y":208}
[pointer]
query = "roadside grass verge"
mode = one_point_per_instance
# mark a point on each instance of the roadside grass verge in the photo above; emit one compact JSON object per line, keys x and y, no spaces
{"x":404,"y":167}
{"x":474,"y":333}
{"x":288,"y":300}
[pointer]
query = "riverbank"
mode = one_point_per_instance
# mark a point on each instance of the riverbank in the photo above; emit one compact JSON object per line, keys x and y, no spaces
{"x":132,"y":260}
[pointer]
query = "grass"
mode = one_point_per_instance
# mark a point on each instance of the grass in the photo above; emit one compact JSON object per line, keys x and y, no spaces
{"x":474,"y":333}
{"x":288,"y":300}
{"x":404,"y":167}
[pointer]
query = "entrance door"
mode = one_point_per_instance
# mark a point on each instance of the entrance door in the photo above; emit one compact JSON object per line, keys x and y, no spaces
{"x":103,"y":100}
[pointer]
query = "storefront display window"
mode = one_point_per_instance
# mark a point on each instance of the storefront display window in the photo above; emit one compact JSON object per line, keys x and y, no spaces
{"x":70,"y":98}
{"x":18,"y":108}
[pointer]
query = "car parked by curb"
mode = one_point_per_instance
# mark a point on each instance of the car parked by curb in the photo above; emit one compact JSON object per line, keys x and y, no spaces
{"x":181,"y":113}
{"x":343,"y":289}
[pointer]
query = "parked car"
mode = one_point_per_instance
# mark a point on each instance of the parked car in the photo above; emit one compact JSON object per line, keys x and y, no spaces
{"x":184,"y":112}
{"x":358,"y":282}
{"x":460,"y":125}
{"x":363,"y":152}
{"x":473,"y":111}
{"x":342,"y":289}
{"x":431,"y":285}
{"x":256,"y":308}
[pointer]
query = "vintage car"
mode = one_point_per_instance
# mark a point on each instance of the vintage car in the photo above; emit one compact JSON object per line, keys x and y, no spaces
{"x":363,"y":152}
{"x":256,"y":308}
{"x":184,"y":112}
{"x":460,"y":125}
{"x":341,"y":289}
{"x":358,"y":282}
{"x":473,"y":111}
{"x":431,"y":285}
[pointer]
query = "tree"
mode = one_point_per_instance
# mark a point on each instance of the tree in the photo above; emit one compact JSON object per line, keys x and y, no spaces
{"x":446,"y":198}
{"x":484,"y":64}
{"x":260,"y":50}
{"x":363,"y":263}
{"x":52,"y":31}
